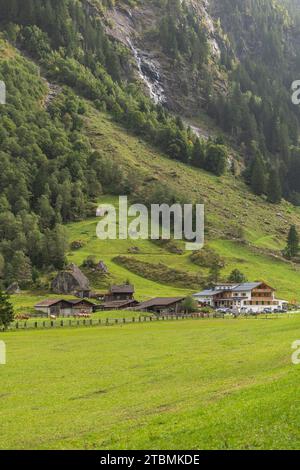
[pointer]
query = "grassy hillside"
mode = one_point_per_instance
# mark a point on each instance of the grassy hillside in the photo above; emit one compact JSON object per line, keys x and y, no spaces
{"x":232,"y":212}
{"x":229,"y":207}
{"x":255,"y":264}
{"x":211,"y":384}
{"x":229,"y":203}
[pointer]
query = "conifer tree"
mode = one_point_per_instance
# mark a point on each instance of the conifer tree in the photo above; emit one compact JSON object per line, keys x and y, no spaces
{"x":258,"y":179}
{"x":274,"y":191}
{"x":292,"y":247}
{"x":237,"y":276}
{"x":198,"y":155}
{"x":6,"y":310}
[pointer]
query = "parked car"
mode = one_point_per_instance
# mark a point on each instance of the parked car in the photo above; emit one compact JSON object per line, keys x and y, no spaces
{"x":223,"y":310}
{"x":268,"y":310}
{"x":280,"y":310}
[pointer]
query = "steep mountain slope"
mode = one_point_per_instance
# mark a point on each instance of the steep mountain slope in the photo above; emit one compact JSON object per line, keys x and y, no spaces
{"x":234,"y":61}
{"x":87,"y":128}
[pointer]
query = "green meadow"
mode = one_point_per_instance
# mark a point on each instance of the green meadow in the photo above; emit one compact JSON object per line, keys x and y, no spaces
{"x":195,"y":384}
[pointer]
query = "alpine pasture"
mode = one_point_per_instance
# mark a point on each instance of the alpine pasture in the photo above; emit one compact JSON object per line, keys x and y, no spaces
{"x":195,"y":384}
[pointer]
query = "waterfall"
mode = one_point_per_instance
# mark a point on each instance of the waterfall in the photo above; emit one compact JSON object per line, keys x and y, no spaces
{"x":150,"y":75}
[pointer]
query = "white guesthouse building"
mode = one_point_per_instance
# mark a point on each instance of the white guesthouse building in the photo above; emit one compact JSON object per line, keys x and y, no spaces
{"x":248,"y":296}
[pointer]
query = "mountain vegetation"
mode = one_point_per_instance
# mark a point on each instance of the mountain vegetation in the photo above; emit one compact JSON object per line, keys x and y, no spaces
{"x":57,"y":58}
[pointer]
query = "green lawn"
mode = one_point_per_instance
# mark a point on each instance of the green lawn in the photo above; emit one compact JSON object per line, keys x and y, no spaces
{"x":208,"y":384}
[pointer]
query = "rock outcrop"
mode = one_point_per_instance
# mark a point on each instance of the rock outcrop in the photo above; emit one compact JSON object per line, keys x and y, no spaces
{"x":70,"y":281}
{"x":14,"y":288}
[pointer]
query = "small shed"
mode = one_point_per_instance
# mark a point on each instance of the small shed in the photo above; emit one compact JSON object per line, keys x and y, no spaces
{"x":55,"y":307}
{"x":162,"y":305}
{"x":117,"y":305}
{"x":124,"y":292}
{"x":81,"y":306}
{"x":64,"y":308}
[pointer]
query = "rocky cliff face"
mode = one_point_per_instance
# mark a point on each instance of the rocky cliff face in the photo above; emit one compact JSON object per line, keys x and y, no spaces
{"x":232,"y":29}
{"x":179,"y":87}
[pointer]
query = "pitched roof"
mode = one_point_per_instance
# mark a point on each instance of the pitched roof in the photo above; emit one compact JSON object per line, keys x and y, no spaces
{"x":79,"y":301}
{"x":49,"y":302}
{"x":160,"y":302}
{"x":124,"y":289}
{"x":118,"y":303}
{"x":204,"y":293}
{"x":246,"y":286}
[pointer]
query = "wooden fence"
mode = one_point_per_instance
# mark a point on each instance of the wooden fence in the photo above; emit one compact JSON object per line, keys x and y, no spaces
{"x":76,"y":323}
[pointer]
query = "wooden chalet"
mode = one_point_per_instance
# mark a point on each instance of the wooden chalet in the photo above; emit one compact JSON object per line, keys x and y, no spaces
{"x":64,"y":308}
{"x":116,"y":305}
{"x":117,"y":293}
{"x":162,"y":305}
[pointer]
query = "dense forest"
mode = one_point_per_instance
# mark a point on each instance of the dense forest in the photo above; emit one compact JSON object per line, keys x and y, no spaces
{"x":259,"y":59}
{"x":258,"y":110}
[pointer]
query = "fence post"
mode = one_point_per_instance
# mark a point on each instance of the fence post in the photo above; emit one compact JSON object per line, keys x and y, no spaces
{"x":133,"y":319}
{"x":51,"y":323}
{"x":124,"y":320}
{"x":62,"y":323}
{"x":17,"y":325}
{"x":107,"y":322}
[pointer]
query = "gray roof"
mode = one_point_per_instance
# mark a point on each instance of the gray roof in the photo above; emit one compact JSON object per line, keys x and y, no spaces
{"x":52,"y":302}
{"x":80,"y":301}
{"x":124,"y":289}
{"x":119,"y":304}
{"x":206,"y":292}
{"x":48,"y":302}
{"x":160,"y":302}
{"x":246,"y":286}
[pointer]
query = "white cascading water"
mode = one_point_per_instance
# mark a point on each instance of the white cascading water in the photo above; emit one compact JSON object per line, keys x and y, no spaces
{"x":152,"y":82}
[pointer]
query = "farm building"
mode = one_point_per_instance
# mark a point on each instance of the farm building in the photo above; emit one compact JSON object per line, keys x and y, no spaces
{"x":71,"y":281}
{"x":254,"y":296}
{"x":116,"y":293}
{"x":162,"y":305}
{"x":117,"y":305}
{"x":64,"y":308}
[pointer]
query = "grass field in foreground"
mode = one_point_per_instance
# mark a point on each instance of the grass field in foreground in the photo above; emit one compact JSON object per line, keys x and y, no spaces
{"x":208,"y":384}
